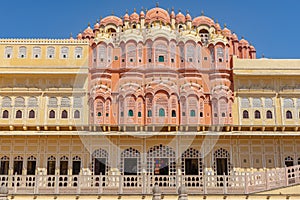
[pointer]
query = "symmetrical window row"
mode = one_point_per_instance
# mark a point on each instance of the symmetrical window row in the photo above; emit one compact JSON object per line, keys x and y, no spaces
{"x":269,"y":114}
{"x":19,"y":102}
{"x":18,"y":165}
{"x":64,"y":114}
{"x":32,"y":114}
{"x":19,"y":114}
{"x":161,"y":113}
{"x":37,"y":52}
{"x":65,"y":102}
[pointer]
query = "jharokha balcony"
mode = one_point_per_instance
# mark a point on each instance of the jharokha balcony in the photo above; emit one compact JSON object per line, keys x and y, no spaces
{"x":236,"y":183}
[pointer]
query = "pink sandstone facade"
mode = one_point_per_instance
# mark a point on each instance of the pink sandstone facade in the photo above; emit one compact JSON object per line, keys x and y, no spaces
{"x":160,"y":73}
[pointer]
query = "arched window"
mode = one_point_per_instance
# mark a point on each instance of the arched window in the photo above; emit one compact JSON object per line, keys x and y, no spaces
{"x":50,"y":52}
{"x":245,"y":114}
{"x":51,"y":165}
{"x":173,"y":113}
{"x":18,"y":165}
{"x":63,"y":165}
{"x":192,"y":113}
{"x":78,"y":52}
{"x":22,"y":52}
{"x":140,"y":114}
{"x":65,"y":102}
{"x":36,"y":52}
{"x":76,"y":114}
{"x":289,"y":115}
{"x":19,"y":102}
{"x":31,"y":165}
{"x":130,"y":113}
{"x":76,"y":165}
{"x":161,"y":112}
{"x":52,"y":114}
{"x":31,"y":114}
{"x":257,"y":114}
{"x":269,"y":114}
{"x":4,"y":165}
{"x":8,"y":52}
{"x":64,"y":114}
{"x":289,"y":161}
{"x":32,"y":102}
{"x":5,"y":114}
{"x":99,"y":114}
{"x":64,"y":52}
{"x":201,"y":114}
{"x":19,"y":114}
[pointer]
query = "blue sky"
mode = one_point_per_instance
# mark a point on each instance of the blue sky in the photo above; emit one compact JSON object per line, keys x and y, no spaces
{"x":272,"y":26}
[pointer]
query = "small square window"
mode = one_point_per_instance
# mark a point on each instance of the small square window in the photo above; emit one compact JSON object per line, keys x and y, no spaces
{"x":205,"y":58}
{"x":190,"y":59}
{"x":140,"y":60}
{"x":182,"y":61}
{"x":116,"y":57}
{"x":149,"y":60}
{"x":161,"y":59}
{"x":245,"y":161}
{"x":123,"y":60}
{"x":131,"y":60}
{"x":183,"y":114}
{"x":172,"y":60}
{"x":107,"y":114}
{"x":101,"y":60}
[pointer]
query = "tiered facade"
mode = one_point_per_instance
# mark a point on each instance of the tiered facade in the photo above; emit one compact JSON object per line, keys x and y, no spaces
{"x":147,"y":98}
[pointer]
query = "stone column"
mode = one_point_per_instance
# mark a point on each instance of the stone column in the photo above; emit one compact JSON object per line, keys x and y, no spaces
{"x":182,"y":193}
{"x":156,"y":193}
{"x":3,"y":193}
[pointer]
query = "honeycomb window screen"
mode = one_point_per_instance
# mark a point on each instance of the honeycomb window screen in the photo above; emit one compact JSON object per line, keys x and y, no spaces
{"x":77,"y":102}
{"x":22,"y":52}
{"x":191,"y":162}
{"x":130,"y":168}
{"x":161,"y":153}
{"x":6,"y":102}
{"x":288,"y":103}
{"x":36,"y":52}
{"x":256,"y":103}
{"x":19,"y":102}
{"x":245,"y":103}
{"x":64,"y":52}
{"x":32,"y":102}
{"x":52,"y":102}
{"x":190,"y":51}
{"x":78,"y":52}
{"x":220,"y":54}
{"x":222,"y":164}
{"x":65,"y":102}
{"x":100,"y":162}
{"x":50,"y":52}
{"x":268,"y":103}
{"x":8,"y":52}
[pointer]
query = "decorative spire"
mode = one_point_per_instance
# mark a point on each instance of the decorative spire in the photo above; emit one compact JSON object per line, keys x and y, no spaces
{"x":172,"y":8}
{"x":101,"y":18}
{"x":89,"y":24}
{"x":157,"y":4}
{"x":134,"y":10}
{"x":112,"y":12}
{"x":187,"y":11}
{"x":71,"y":35}
{"x":202,"y":13}
{"x":126,"y":11}
{"x":225,"y":25}
{"x":142,"y":8}
{"x":179,"y":10}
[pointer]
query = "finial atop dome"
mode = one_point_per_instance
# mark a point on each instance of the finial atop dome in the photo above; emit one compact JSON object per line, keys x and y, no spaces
{"x":157,"y":4}
{"x":179,"y":10}
{"x":202,"y":13}
{"x":134,"y":10}
{"x":172,"y":8}
{"x":225,"y":25}
{"x":112,"y":12}
{"x":142,"y":8}
{"x":187,"y":12}
{"x":89,"y":24}
{"x":71,"y":35}
{"x":126,"y":11}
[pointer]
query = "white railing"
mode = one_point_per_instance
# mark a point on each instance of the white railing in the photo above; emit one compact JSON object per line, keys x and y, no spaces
{"x":236,"y":183}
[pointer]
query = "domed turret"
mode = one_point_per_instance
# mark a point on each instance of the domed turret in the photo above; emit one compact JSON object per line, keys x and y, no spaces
{"x":188,"y":17}
{"x":79,"y":36}
{"x":158,"y":14}
{"x":203,"y":20}
{"x":180,"y":18}
{"x":97,"y":26}
{"x":234,"y":37}
{"x":244,"y":42}
{"x":88,"y":32}
{"x":142,"y":14}
{"x":126,"y":16}
{"x":226,"y":31}
{"x":112,"y":20}
{"x":172,"y":14}
{"x":134,"y":17}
